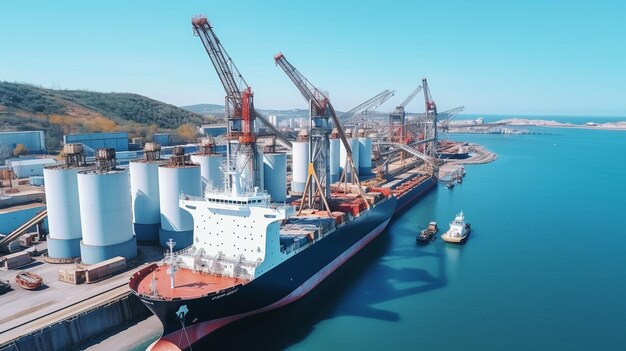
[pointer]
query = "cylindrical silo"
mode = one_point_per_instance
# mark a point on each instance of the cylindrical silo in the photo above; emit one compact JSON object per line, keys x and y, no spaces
{"x":300,"y":163}
{"x":275,"y":181}
{"x":177,"y":223}
{"x":365,"y":154}
{"x":144,"y":189}
{"x":354,"y":146}
{"x":106,"y":215}
{"x":63,"y":212}
{"x":335,"y":164}
{"x":210,"y":170}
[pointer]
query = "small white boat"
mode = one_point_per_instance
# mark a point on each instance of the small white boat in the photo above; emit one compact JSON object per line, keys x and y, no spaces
{"x":459,"y":230}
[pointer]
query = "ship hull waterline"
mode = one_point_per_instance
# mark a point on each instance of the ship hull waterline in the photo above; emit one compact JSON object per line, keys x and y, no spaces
{"x":415,"y":193}
{"x":284,"y":284}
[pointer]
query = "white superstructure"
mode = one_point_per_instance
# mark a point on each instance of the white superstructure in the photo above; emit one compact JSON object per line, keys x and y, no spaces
{"x":234,"y":235}
{"x":458,"y":230}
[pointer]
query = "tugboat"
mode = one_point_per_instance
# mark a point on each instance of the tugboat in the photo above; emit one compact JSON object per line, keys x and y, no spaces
{"x":459,"y":230}
{"x":428,"y":234}
{"x":28,"y":281}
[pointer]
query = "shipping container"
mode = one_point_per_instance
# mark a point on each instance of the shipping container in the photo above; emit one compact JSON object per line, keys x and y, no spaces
{"x":104,"y":269}
{"x":16,"y":260}
{"x":72,"y":275}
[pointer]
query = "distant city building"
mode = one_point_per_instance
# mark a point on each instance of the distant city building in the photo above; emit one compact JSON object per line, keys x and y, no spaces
{"x":117,"y":140}
{"x":32,"y":140}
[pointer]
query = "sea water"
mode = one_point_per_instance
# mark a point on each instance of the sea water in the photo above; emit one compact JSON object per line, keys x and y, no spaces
{"x":544,"y":267}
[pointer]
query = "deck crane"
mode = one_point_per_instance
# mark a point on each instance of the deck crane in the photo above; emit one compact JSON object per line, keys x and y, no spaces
{"x":397,"y":119}
{"x":320,"y":110}
{"x":234,"y":84}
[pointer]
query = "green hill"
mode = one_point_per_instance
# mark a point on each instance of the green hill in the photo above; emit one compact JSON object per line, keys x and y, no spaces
{"x":58,"y":112}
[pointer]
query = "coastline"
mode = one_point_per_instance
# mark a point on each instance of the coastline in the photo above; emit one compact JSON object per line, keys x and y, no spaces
{"x":620,"y":125}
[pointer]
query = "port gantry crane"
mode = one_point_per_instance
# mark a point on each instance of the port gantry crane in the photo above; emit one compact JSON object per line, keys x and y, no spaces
{"x":365,"y":107}
{"x":397,"y":119}
{"x":242,"y":153}
{"x":320,"y":110}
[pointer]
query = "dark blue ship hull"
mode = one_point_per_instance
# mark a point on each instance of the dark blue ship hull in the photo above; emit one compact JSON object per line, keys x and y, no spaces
{"x":284,"y":284}
{"x":415,"y":193}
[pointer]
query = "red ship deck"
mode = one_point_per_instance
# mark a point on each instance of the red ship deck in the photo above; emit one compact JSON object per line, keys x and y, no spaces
{"x":187,"y":283}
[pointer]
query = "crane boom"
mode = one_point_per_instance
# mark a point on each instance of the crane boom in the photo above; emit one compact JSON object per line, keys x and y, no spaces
{"x":306,"y":88}
{"x":232,"y":80}
{"x":369,"y":105}
{"x":410,"y":97}
{"x":229,"y":75}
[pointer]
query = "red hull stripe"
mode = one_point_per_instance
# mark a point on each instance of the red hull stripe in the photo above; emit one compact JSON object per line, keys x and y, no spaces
{"x":197,"y":331}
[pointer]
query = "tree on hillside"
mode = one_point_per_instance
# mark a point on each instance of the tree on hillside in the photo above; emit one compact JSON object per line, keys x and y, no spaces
{"x":186,"y":132}
{"x":5,"y":153}
{"x":19,"y":150}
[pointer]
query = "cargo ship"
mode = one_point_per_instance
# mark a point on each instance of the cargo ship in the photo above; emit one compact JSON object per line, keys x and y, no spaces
{"x":408,"y":188}
{"x":249,"y":256}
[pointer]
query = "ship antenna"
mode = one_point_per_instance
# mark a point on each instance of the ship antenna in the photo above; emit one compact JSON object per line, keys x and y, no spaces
{"x":170,"y":260}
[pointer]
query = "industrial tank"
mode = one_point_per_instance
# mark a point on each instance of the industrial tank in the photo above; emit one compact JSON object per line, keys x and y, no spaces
{"x":275,"y":180}
{"x":105,"y":208}
{"x":365,"y":154}
{"x":63,"y":206}
{"x":144,"y":189}
{"x":179,"y":176}
{"x":210,"y":165}
{"x":300,"y":162}
{"x":335,"y":166}
{"x":354,"y":146}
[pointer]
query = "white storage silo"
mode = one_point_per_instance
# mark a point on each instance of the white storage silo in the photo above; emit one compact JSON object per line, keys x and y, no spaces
{"x":62,"y":202}
{"x":300,"y":163}
{"x":354,"y":146}
{"x":176,"y":223}
{"x":144,"y":188}
{"x":210,"y":170}
{"x":106,"y":215}
{"x":365,"y":154}
{"x":275,"y":180}
{"x":335,"y":163}
{"x":63,"y":212}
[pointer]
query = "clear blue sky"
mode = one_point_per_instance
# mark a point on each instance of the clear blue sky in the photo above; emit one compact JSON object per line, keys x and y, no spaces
{"x":494,"y":57}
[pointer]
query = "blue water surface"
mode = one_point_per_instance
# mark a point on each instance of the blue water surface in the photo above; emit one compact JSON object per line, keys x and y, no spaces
{"x":544,"y":268}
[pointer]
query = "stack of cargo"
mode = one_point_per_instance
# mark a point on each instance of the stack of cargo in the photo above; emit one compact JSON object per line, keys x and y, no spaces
{"x":72,"y":275}
{"x":27,"y":239}
{"x":104,"y":269}
{"x":16,"y":260}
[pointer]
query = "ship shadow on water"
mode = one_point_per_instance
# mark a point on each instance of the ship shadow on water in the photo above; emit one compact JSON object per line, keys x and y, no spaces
{"x":365,"y":280}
